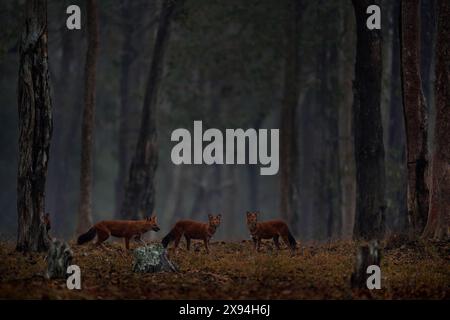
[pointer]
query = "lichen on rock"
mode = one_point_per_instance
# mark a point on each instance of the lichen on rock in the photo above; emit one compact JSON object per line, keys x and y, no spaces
{"x":152,"y":258}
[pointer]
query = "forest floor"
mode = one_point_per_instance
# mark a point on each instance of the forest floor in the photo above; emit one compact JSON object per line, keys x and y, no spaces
{"x":419,"y":270}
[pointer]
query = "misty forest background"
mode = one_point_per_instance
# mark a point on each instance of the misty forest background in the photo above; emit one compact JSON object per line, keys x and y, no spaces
{"x":225,"y":64}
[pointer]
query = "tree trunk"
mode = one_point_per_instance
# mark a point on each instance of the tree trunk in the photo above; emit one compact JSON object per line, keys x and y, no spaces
{"x":126,"y":61}
{"x":308,"y":164}
{"x":347,"y":163}
{"x":139,"y":195}
{"x":368,"y":131}
{"x":415,"y":117}
{"x":288,"y":145}
{"x":396,"y":131}
{"x":58,"y":180}
{"x":438,"y":224}
{"x":87,"y":134}
{"x":428,"y":39}
{"x":253,"y":172}
{"x":35,"y":128}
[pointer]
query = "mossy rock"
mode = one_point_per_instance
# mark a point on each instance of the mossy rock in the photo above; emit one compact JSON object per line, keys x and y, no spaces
{"x":152,"y":258}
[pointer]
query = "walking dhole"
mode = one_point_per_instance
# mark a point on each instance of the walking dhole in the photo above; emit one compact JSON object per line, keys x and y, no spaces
{"x":193,"y":230}
{"x":119,"y":228}
{"x":273,"y":229}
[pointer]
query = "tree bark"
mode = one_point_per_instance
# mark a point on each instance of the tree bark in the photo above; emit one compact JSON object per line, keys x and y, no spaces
{"x":288,"y":145}
{"x":438,"y":224}
{"x":87,"y":134}
{"x":139,"y":195}
{"x":125,"y":65}
{"x":368,"y":131}
{"x":396,"y":131}
{"x":427,"y":48}
{"x":347,"y":163}
{"x":57,"y":186}
{"x":415,"y":117}
{"x":35,"y":128}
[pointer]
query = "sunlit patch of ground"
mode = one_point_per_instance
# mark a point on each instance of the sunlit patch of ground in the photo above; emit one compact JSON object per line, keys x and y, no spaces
{"x":233,"y":271}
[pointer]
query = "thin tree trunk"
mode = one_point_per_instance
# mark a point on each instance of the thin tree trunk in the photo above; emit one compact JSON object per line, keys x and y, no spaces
{"x":288,"y":145}
{"x":87,"y":134}
{"x":126,"y":61}
{"x":307,"y":166}
{"x":415,"y":117}
{"x":35,"y":128}
{"x":347,"y":170}
{"x":368,"y":131}
{"x":176,"y":193}
{"x":57,"y":168}
{"x":139,"y":195}
{"x":438,"y":224}
{"x":428,"y":39}
{"x":396,"y":131}
{"x":252,"y":171}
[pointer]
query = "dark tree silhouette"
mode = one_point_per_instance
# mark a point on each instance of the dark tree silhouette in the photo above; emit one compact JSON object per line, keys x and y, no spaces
{"x":125,"y":65}
{"x":415,"y":115}
{"x":368,"y":131}
{"x":132,"y":13}
{"x":288,"y":144}
{"x":395,"y":135}
{"x":35,"y":128}
{"x":346,"y":153}
{"x":438,"y":223}
{"x":140,"y":191}
{"x":87,"y":132}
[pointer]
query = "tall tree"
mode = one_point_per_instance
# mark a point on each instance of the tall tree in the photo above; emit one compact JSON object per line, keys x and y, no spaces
{"x":140,"y":191}
{"x":131,"y":13}
{"x":125,"y":65}
{"x":368,"y":130}
{"x":58,"y":167}
{"x":288,"y":145}
{"x":35,"y":128}
{"x":427,"y":48}
{"x":395,"y":137}
{"x":87,"y":132}
{"x":347,"y":161}
{"x":415,"y":114}
{"x":438,"y":224}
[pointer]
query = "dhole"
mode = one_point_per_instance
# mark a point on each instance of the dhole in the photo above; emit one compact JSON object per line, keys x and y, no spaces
{"x":272,"y":229}
{"x":119,"y":228}
{"x":192,"y":230}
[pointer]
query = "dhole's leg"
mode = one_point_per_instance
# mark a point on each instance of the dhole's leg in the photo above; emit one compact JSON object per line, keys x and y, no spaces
{"x":206,"y":245}
{"x":139,"y":239}
{"x":276,"y":242}
{"x":177,"y":241}
{"x":188,"y":243}
{"x":254,"y":242}
{"x":102,"y":235}
{"x":258,"y":244}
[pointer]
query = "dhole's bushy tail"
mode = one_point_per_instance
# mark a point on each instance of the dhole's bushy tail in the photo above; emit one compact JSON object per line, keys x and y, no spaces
{"x":88,"y":236}
{"x":168,"y":238}
{"x":292,"y":241}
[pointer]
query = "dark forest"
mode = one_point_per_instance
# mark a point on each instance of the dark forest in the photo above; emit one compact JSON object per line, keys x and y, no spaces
{"x":87,"y":120}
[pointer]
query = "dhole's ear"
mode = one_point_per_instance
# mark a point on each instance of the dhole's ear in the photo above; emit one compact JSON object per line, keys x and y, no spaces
{"x":219,"y":216}
{"x":248,"y":213}
{"x":148,"y":218}
{"x":210,"y":216}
